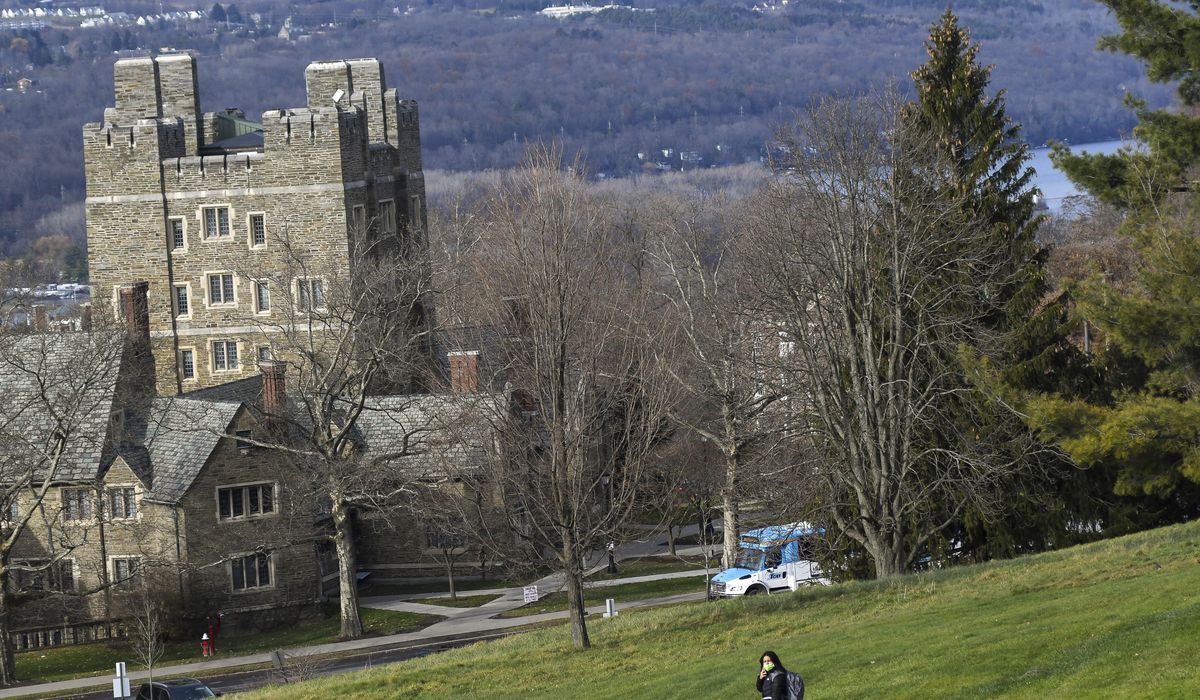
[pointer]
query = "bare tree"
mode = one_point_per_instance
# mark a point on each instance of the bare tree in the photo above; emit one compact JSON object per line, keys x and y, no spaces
{"x":588,"y":396}
{"x":149,"y":631}
{"x":58,"y":393}
{"x":692,"y":246}
{"x":862,"y":255}
{"x":353,"y":343}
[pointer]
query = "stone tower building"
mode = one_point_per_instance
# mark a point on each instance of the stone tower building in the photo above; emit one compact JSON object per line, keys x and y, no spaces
{"x":213,"y":210}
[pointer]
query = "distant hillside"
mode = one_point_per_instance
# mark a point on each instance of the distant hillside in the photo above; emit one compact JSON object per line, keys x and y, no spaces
{"x":1119,"y":618}
{"x":668,"y":84}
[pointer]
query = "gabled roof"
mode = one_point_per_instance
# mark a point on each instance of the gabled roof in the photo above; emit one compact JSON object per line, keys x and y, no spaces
{"x":446,"y":432}
{"x":181,"y":435}
{"x":57,"y":383}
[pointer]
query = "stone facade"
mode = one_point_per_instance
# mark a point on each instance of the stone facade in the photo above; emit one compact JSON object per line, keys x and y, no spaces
{"x":166,"y":205}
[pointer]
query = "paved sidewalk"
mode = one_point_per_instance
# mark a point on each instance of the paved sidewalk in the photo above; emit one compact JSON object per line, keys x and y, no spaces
{"x":459,"y":622}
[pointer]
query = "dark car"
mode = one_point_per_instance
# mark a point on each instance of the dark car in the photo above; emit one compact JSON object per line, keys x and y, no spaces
{"x":175,"y":689}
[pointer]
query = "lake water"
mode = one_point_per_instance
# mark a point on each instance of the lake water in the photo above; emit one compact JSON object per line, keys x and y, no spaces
{"x":1052,"y":182}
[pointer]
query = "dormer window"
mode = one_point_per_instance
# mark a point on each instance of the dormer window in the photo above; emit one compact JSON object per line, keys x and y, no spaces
{"x":122,"y":502}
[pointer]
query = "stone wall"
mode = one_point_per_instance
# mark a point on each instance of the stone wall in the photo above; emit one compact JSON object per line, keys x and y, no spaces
{"x":147,"y":171}
{"x":210,"y":542}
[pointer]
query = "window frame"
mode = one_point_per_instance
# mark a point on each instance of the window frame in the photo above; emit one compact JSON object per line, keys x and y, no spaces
{"x":110,"y":491}
{"x":246,"y":515}
{"x":195,"y":371}
{"x":387,"y":216}
{"x":171,"y":234}
{"x":187,"y":291}
{"x":90,"y":506}
{"x":34,"y":585}
{"x":302,"y":282}
{"x":223,"y":304}
{"x":212,"y":356}
{"x":133,"y":572}
{"x":257,"y":300}
{"x":254,"y":245}
{"x":202,"y":217}
{"x":414,"y":213}
{"x":242,"y":558}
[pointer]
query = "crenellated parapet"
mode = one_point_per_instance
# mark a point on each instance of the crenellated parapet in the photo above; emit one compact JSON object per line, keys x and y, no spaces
{"x":199,"y":204}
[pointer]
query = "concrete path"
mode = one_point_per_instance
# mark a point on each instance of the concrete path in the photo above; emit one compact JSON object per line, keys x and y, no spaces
{"x":459,"y":622}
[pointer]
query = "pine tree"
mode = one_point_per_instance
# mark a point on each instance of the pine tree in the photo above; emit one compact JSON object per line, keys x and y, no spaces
{"x":1145,"y":426}
{"x":989,"y":165}
{"x":990,"y":161}
{"x":1165,"y":37}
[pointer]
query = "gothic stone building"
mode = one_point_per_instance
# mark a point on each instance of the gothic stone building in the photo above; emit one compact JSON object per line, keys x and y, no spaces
{"x":217,"y":212}
{"x":203,"y":228}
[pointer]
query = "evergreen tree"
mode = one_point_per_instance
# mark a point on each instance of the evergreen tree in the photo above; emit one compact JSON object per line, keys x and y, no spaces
{"x":1029,"y":336}
{"x":1145,"y":426}
{"x":1165,"y":36}
{"x":217,"y":13}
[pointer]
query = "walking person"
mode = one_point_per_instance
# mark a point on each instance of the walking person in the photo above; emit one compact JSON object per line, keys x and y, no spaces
{"x":775,"y":682}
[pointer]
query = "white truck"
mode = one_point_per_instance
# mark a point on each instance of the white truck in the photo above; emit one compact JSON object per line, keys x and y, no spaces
{"x":771,"y":559}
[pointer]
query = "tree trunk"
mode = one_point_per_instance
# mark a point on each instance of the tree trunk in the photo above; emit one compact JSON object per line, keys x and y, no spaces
{"x":347,"y":572}
{"x":671,"y":538}
{"x":450,"y":576}
{"x":574,"y":573}
{"x":887,"y":555}
{"x":8,"y":661}
{"x":729,"y":511}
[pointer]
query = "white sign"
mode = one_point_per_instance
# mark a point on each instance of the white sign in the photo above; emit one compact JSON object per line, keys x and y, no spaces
{"x":121,"y":682}
{"x":531,"y":595}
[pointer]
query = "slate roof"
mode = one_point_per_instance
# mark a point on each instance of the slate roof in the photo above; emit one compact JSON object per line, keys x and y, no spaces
{"x":248,"y":390}
{"x":446,"y":432}
{"x":76,"y":375}
{"x":60,"y":381}
{"x":180,"y":437}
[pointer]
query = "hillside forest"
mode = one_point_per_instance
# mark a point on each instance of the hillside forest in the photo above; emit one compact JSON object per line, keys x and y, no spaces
{"x":656,"y":86}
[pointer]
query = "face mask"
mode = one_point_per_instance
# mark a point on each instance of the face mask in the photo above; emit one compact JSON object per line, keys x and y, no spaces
{"x":769,"y":666}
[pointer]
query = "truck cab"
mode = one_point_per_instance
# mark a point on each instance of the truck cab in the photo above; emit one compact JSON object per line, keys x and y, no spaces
{"x":771,"y":559}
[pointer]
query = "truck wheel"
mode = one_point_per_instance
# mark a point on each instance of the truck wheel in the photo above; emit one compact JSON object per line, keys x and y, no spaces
{"x":755,"y":590}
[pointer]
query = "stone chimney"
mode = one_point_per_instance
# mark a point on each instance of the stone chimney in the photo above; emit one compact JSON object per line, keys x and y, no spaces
{"x":39,"y":319}
{"x":136,"y":311}
{"x":274,"y":396}
{"x":85,"y":318}
{"x":464,"y":371}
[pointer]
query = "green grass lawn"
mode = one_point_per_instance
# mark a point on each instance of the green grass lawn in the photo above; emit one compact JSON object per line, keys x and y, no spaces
{"x":98,"y":659}
{"x":1114,"y":619}
{"x":644,"y":566}
{"x":554,"y":602}
{"x":462,"y":601}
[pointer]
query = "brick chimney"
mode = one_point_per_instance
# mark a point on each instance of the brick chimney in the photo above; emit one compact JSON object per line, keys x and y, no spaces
{"x":274,"y":396}
{"x":39,"y":319}
{"x":464,"y":371}
{"x":136,"y":311}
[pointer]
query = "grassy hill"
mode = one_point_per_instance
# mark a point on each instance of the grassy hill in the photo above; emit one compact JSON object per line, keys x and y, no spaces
{"x":1114,"y":619}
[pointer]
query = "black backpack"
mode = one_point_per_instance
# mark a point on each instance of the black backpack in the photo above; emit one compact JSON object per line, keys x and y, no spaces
{"x":795,"y":686}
